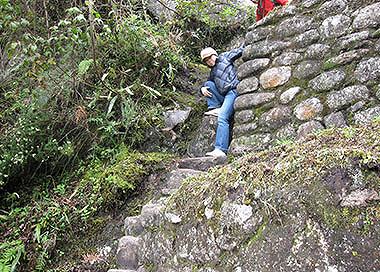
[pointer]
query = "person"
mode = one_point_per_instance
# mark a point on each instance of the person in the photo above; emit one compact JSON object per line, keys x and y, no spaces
{"x":220,"y":92}
{"x":265,"y":6}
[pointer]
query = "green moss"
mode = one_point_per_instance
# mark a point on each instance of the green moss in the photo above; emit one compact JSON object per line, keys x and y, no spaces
{"x":376,"y":34}
{"x":258,"y":111}
{"x":150,"y":267}
{"x":329,"y":64}
{"x":336,"y":217}
{"x":258,"y":235}
{"x":296,"y":82}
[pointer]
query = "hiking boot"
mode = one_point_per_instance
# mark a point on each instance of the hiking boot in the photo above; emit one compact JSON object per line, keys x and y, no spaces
{"x":213,"y":112}
{"x":216,"y":153}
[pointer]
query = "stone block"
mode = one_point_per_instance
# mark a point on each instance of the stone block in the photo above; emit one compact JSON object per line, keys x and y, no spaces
{"x":317,"y":51}
{"x":248,"y":85}
{"x":276,"y":117}
{"x":347,"y":96}
{"x":258,"y":34}
{"x":310,"y":3}
{"x":294,"y":25}
{"x":289,"y":95}
{"x":126,"y":256}
{"x":356,"y":107}
{"x":328,"y":80}
{"x":308,"y":128}
{"x":333,"y":7}
{"x":307,"y":38}
{"x":308,"y":109}
{"x":353,"y":40}
{"x":244,"y":129}
{"x":251,"y":67}
{"x":275,"y":77}
{"x":204,"y":138}
{"x":287,"y":58}
{"x":175,"y":117}
{"x":365,"y":117}
{"x":133,"y":226}
{"x":244,"y":116}
{"x":251,"y":100}
{"x":368,"y":70}
{"x":335,"y":26}
{"x":347,"y":57}
{"x":263,"y":49}
{"x":368,"y":16}
{"x":307,"y":69}
{"x":335,"y":119}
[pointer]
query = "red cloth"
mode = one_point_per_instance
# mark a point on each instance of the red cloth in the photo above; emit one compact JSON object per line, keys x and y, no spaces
{"x":265,"y":6}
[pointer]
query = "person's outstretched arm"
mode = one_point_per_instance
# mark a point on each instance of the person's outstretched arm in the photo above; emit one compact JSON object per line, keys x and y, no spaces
{"x":236,"y":53}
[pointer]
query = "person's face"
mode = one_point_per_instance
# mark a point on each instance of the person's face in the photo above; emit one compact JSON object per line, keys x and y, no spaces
{"x":210,"y":61}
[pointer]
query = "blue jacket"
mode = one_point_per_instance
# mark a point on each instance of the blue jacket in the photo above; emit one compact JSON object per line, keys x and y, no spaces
{"x":223,"y":74}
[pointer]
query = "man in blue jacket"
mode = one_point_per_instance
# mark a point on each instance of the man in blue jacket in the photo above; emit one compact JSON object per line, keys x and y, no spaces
{"x":220,"y":93}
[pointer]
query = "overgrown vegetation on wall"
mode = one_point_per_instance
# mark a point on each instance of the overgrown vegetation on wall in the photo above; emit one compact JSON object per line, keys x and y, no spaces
{"x":81,"y":83}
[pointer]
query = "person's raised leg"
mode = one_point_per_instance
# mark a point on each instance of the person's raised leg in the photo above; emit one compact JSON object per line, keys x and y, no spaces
{"x":216,"y":100}
{"x":223,"y":130}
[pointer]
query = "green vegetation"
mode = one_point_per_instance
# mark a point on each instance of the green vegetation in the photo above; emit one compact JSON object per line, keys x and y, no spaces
{"x":61,"y":209}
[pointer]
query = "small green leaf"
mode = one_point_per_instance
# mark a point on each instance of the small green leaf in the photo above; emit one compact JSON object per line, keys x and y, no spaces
{"x":37,"y":233}
{"x":152,"y":91}
{"x":84,"y":66}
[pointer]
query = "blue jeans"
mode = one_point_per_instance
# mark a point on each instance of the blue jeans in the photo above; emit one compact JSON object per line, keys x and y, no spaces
{"x":226,"y":104}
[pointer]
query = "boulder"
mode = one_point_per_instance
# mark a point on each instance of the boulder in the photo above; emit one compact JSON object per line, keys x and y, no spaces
{"x":287,"y":58}
{"x":347,"y":96}
{"x":335,"y":26}
{"x":275,"y":77}
{"x":367,"y":17}
{"x":328,"y":80}
{"x":251,"y":100}
{"x":308,"y":109}
{"x":307,"y":128}
{"x":289,"y":95}
{"x":335,"y":119}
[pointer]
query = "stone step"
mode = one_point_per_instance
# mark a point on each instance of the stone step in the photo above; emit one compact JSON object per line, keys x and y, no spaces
{"x":175,"y":178}
{"x":201,"y":163}
{"x":151,"y":214}
{"x":127,"y":252}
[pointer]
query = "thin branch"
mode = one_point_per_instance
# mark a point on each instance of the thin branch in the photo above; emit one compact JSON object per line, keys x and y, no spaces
{"x":46,"y":18}
{"x":92,"y":32}
{"x":169,"y":8}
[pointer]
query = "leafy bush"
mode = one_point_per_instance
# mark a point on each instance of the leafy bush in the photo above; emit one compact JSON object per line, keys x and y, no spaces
{"x":58,"y":209}
{"x":82,"y":89}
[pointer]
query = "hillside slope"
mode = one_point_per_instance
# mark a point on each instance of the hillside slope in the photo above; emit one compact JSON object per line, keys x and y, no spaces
{"x":310,"y":206}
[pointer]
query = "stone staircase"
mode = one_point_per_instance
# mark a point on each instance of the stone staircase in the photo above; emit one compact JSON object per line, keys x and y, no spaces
{"x":130,"y":246}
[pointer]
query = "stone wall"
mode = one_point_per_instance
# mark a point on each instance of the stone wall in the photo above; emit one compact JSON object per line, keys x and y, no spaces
{"x":314,"y":64}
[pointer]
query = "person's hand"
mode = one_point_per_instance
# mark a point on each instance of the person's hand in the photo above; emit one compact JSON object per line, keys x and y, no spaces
{"x":206,"y":92}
